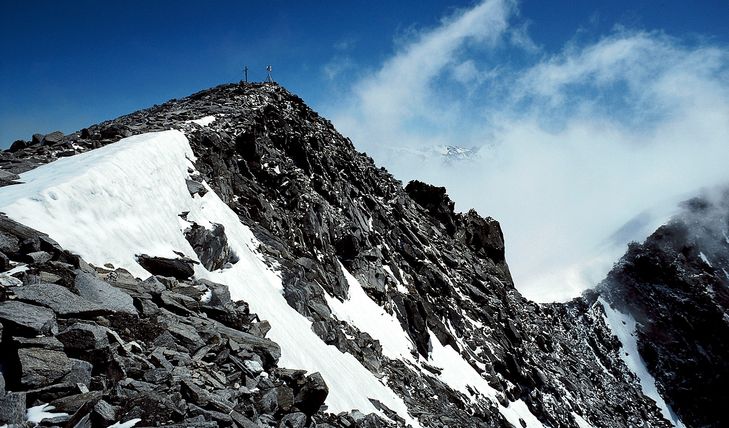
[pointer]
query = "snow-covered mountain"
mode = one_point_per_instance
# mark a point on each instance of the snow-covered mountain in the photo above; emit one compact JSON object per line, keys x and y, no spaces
{"x":229,"y":259}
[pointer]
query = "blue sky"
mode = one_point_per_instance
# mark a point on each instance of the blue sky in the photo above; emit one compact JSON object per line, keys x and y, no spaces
{"x":73,"y":63}
{"x":586,"y":116}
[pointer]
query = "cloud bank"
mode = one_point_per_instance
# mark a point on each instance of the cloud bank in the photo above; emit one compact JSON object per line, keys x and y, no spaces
{"x":579,"y":151}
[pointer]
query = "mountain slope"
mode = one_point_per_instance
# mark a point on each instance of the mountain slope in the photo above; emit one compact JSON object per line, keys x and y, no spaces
{"x":676,"y":286}
{"x":410,"y":292}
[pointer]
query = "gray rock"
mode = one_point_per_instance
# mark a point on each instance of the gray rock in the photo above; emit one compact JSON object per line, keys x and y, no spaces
{"x":210,"y":245}
{"x":293,"y":420}
{"x":254,"y":367}
{"x":109,"y":297}
{"x":104,"y":414}
{"x":269,"y":350}
{"x":220,"y":294}
{"x":18,"y":145}
{"x":9,"y":244}
{"x":268,"y":403}
{"x":8,"y":176}
{"x":194,"y":393}
{"x":285,"y":396}
{"x":28,"y":319}
{"x":52,"y":138}
{"x":72,"y":403}
{"x":180,"y":269}
{"x":5,"y":263}
{"x":58,"y":298}
{"x":12,"y":408}
{"x":186,"y":333}
{"x":312,"y":395}
{"x":195,"y":188}
{"x":84,"y":422}
{"x":46,"y":342}
{"x":242,"y":421}
{"x":80,"y":373}
{"x":37,"y":257}
{"x":42,"y":367}
{"x":84,"y":337}
{"x":2,"y":385}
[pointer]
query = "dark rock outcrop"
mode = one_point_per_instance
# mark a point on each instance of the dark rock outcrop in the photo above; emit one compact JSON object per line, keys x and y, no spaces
{"x":210,"y":245}
{"x":676,"y":286}
{"x":176,"y":268}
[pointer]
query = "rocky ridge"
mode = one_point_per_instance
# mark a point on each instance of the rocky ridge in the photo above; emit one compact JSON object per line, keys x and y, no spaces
{"x":676,"y":286}
{"x":315,"y":202}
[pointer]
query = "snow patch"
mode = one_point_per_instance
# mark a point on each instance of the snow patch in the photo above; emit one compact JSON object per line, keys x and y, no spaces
{"x":581,"y":423}
{"x":364,"y":313}
{"x":112,"y":203}
{"x":203,"y":121}
{"x":704,"y":259}
{"x":459,"y":375}
{"x":16,"y":269}
{"x":623,"y":327}
{"x":38,"y":413}
{"x":398,"y":285}
{"x":128,"y":424}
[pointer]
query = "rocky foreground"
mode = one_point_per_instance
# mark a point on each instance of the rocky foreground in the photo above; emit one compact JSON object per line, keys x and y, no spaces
{"x":101,"y":346}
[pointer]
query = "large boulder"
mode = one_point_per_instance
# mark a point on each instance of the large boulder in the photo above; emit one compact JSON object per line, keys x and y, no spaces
{"x":18,"y":145}
{"x":106,"y":296}
{"x":53,"y":138}
{"x":482,"y":235}
{"x":60,"y":299}
{"x":23,"y":318}
{"x":210,"y":245}
{"x":41,"y":367}
{"x":81,"y":336}
{"x":195,"y":188}
{"x":177,"y":268}
{"x":435,"y":200}
{"x":312,"y":394}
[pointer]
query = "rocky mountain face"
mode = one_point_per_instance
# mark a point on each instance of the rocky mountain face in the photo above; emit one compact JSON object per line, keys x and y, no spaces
{"x":477,"y":354}
{"x":676,"y":286}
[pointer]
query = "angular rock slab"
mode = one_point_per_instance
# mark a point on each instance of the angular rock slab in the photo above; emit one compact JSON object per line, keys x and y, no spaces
{"x":28,"y":319}
{"x":58,"y":298}
{"x":108,"y":297}
{"x":42,"y":367}
{"x":179,"y":269}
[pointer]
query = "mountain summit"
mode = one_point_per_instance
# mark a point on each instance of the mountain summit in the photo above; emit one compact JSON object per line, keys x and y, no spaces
{"x":230,"y":259}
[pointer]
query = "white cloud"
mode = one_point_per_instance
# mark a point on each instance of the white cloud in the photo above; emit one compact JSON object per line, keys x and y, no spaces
{"x":573,"y":145}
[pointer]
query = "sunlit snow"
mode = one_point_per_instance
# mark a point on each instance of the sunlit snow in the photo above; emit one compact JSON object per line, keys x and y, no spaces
{"x":128,"y":424}
{"x":203,"y":121}
{"x":362,"y":312}
{"x":581,"y":423}
{"x":623,"y":327}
